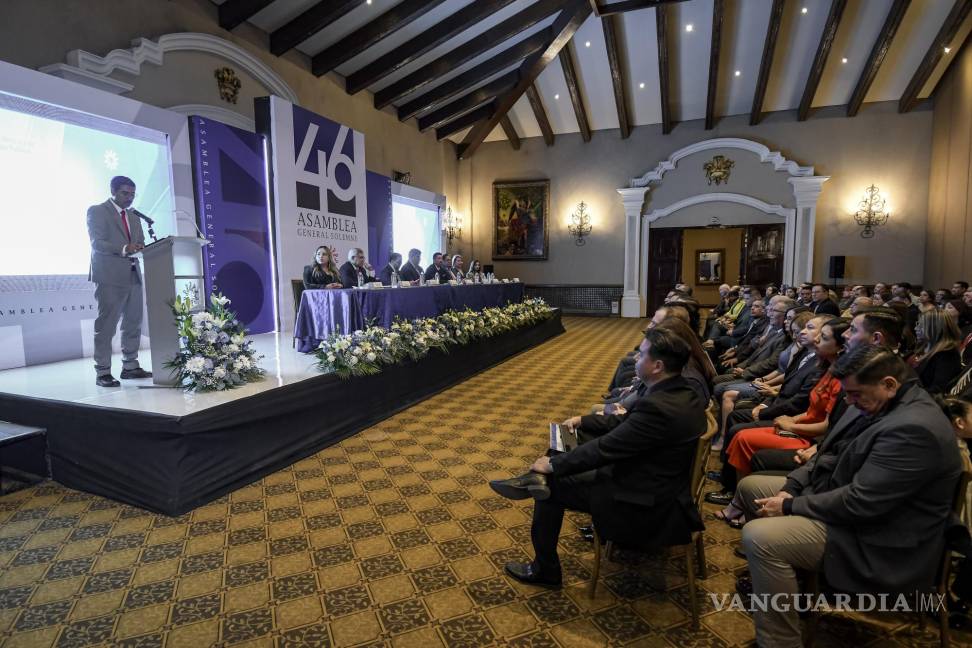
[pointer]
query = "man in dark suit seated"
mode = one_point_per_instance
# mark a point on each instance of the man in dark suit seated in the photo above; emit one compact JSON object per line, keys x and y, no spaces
{"x":822,"y":304}
{"x":391,"y":269}
{"x":411,"y":271}
{"x":355,"y":272}
{"x":438,"y":269}
{"x":634,"y":479}
{"x":869,"y":509}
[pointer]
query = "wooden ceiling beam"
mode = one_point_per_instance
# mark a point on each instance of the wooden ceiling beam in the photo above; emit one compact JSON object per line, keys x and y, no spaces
{"x":612,"y":8}
{"x":473,"y":76}
{"x":573,"y":14}
{"x":934,"y":54}
{"x":573,"y":88}
{"x":715,"y":48}
{"x":232,"y":13}
{"x":664,"y":87}
{"x":477,"y":116}
{"x":878,"y":53}
{"x":468,"y":102}
{"x":309,"y":23}
{"x":617,"y":74}
{"x":538,"y":111}
{"x":361,"y":39}
{"x":820,"y":59}
{"x":769,"y":47}
{"x":432,"y":37}
{"x":510,"y":132}
{"x":467,"y":51}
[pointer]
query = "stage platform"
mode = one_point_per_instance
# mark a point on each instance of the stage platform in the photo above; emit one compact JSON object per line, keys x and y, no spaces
{"x":163,"y":450}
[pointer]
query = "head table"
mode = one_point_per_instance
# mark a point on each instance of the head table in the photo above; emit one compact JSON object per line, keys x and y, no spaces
{"x":323,"y":312}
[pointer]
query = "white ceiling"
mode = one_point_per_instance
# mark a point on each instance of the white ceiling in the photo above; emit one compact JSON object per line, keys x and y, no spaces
{"x":743,"y":35}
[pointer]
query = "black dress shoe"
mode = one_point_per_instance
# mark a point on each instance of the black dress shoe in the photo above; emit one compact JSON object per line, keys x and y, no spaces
{"x":530,"y":574}
{"x":531,"y":484}
{"x":722,"y":498}
{"x":137,"y":372}
{"x":107,"y":381}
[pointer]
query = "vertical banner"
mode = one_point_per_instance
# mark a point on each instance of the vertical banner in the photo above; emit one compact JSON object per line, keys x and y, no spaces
{"x":380,"y":241}
{"x":229,"y":174}
{"x":319,"y":191}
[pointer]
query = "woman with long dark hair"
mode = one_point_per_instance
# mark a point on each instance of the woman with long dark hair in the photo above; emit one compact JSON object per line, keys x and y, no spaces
{"x":323,"y":273}
{"x":938,"y":359}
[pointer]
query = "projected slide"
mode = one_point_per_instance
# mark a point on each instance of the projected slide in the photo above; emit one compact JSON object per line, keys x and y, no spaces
{"x":51,"y":172}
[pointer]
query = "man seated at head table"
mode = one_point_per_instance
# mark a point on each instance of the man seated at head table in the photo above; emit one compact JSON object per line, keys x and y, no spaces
{"x":356,"y":271}
{"x":635,"y":480}
{"x":390,"y":269}
{"x":869,"y":509}
{"x":439,"y":269}
{"x":411,"y":270}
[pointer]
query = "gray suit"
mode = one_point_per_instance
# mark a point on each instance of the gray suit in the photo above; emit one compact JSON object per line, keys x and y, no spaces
{"x":118,"y":285}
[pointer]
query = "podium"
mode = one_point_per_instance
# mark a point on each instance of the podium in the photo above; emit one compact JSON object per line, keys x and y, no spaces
{"x":170,"y":265}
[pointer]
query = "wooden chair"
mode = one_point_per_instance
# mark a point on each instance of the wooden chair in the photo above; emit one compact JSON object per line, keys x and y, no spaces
{"x":695,"y":549}
{"x":941,"y":578}
{"x":297,"y":286}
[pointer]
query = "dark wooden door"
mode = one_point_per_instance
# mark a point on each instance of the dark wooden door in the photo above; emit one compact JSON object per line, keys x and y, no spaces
{"x":664,"y":264}
{"x":763,"y":254}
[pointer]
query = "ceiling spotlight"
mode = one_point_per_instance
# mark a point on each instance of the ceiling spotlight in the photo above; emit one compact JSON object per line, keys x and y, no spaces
{"x":368,"y":2}
{"x":689,"y":27}
{"x":642,"y":85}
{"x":738,"y":73}
{"x":843,"y":60}
{"x":556,"y":96}
{"x":948,"y":49}
{"x":804,"y":10}
{"x":587,"y":43}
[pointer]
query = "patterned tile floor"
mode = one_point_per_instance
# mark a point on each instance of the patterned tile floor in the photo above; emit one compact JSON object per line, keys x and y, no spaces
{"x":391,"y":538}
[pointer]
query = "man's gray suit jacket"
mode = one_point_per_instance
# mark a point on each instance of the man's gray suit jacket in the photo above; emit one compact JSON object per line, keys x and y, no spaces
{"x":108,"y":265}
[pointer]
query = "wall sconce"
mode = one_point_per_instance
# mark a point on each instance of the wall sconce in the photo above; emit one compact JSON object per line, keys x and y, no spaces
{"x":452,"y":224}
{"x":871,"y":211}
{"x":580,"y":224}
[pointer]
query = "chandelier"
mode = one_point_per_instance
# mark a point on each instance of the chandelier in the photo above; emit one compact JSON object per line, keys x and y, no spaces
{"x":871,"y":212}
{"x":580,"y":224}
{"x":452,"y":225}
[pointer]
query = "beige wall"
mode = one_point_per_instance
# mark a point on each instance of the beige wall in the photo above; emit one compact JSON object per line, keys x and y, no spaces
{"x":948,"y":250}
{"x":702,"y":239}
{"x":36,"y":33}
{"x":879,"y":145}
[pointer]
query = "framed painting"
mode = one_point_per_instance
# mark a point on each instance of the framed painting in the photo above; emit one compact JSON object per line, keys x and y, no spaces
{"x":521,"y":211}
{"x":709,"y":266}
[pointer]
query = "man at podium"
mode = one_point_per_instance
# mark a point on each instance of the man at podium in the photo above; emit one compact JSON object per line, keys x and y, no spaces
{"x":115,"y":230}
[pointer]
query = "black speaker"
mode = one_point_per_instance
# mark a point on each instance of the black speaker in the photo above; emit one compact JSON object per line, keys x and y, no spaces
{"x":837,"y":267}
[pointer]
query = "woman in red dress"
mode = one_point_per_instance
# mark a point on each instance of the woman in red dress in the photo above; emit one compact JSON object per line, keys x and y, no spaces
{"x":795,"y":432}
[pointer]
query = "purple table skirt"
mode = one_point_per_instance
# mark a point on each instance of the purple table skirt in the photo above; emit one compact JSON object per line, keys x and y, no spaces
{"x":323,"y":312}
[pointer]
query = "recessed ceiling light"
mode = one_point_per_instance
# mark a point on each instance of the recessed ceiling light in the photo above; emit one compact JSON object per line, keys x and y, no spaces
{"x":556,"y":96}
{"x":689,"y":27}
{"x":642,"y":85}
{"x":843,"y":60}
{"x":587,"y":43}
{"x":804,"y":10}
{"x":738,"y":73}
{"x":948,"y":49}
{"x":368,"y":2}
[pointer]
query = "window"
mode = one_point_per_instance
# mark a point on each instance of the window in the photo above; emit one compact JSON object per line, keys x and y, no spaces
{"x":415,"y":225}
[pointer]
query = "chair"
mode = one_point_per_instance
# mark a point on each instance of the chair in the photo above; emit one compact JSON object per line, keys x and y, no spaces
{"x":297,"y":286}
{"x":941,"y":578}
{"x":695,"y":549}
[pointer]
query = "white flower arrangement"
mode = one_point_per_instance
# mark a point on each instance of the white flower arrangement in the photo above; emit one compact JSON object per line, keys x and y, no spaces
{"x":366,"y":351}
{"x":214,"y":353}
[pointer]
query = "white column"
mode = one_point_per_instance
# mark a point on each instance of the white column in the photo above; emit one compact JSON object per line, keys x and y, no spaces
{"x":806,"y":190}
{"x":632,"y":301}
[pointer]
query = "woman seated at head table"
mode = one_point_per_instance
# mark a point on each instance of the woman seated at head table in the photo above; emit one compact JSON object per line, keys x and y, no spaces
{"x":475,"y":270}
{"x":323,"y":273}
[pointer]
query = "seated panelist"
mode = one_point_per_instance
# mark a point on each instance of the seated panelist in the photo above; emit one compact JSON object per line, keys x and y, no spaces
{"x":439,"y":269}
{"x":323,"y":273}
{"x":356,"y":270}
{"x":392,"y":268}
{"x":411,"y":270}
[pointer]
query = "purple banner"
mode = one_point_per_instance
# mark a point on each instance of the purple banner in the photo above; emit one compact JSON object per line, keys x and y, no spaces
{"x":231,"y":200}
{"x":379,"y":219}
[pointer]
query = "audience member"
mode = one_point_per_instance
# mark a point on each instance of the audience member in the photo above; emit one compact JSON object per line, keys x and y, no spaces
{"x":412,"y":271}
{"x":942,"y":295}
{"x":959,"y":288}
{"x":323,"y":273}
{"x":356,"y":271}
{"x":821,"y":303}
{"x":869,"y":509}
{"x":926,"y":301}
{"x":633,"y":480}
{"x":937,"y":360}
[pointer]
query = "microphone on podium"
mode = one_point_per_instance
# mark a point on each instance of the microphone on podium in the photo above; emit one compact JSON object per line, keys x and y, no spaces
{"x":148,"y":221}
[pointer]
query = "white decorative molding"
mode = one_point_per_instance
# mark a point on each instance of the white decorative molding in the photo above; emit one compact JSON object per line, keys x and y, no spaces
{"x":632,"y":302}
{"x":775,"y":158}
{"x":217,"y":113}
{"x":93,"y":70}
{"x":739,"y":199}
